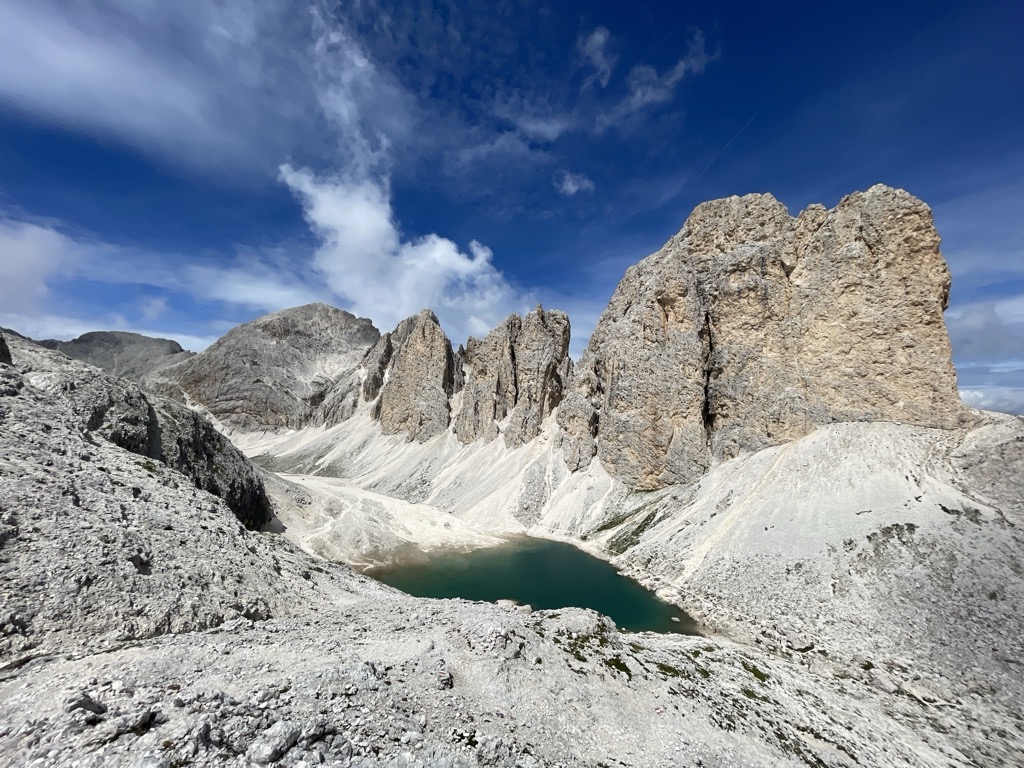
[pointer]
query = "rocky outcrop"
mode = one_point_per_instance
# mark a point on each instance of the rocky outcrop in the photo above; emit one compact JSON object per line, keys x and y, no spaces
{"x":129,"y":355}
{"x":638,"y":393}
{"x":751,"y":327}
{"x":294,"y":368}
{"x":5,"y":351}
{"x":517,"y":372}
{"x":154,"y":428}
{"x":418,"y":374}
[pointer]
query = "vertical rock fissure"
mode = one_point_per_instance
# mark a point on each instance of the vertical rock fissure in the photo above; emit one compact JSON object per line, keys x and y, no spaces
{"x":707,"y":417}
{"x":515,"y":370}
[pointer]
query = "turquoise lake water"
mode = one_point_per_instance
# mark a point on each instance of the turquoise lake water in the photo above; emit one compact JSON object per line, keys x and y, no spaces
{"x":543,"y":574}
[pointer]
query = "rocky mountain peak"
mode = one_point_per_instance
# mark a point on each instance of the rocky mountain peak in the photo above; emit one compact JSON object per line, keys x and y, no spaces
{"x":718,"y":226}
{"x":751,"y":327}
{"x":516,"y":373}
{"x":129,"y":355}
{"x":417,"y":373}
{"x":293,"y":368}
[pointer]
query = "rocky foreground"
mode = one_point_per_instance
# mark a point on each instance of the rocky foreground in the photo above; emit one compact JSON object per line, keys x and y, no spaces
{"x":764,"y":428}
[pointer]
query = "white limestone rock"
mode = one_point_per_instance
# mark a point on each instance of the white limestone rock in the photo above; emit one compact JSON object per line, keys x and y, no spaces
{"x":419,"y":376}
{"x":157,"y":429}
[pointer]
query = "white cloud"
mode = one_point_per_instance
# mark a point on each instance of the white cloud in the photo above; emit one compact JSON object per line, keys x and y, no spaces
{"x":543,"y":128}
{"x":65,"y":327}
{"x":987,"y":330}
{"x":152,"y":307}
{"x":569,"y":183}
{"x":646,"y":86}
{"x":593,"y":48}
{"x":211,"y":84}
{"x":1006,"y":399}
{"x":253,"y":285}
{"x":30,"y":256}
{"x":365,"y":261}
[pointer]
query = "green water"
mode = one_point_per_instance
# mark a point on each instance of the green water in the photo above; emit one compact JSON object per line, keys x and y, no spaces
{"x":543,"y":574}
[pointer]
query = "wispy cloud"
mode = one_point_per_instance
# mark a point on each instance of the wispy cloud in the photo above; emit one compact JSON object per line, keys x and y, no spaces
{"x":647,"y":87}
{"x":222,"y":92}
{"x":593,"y":47}
{"x":152,"y":307}
{"x":30,"y":256}
{"x":569,"y":183}
{"x":240,"y":84}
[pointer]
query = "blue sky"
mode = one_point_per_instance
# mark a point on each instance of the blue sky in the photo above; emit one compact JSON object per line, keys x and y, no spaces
{"x":178,"y":168}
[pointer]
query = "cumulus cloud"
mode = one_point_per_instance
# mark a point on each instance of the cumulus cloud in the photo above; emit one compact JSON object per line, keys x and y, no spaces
{"x":987,"y":330}
{"x":377,"y":273}
{"x":362,"y":256}
{"x":569,"y":183}
{"x":244,"y":79}
{"x":593,"y":48}
{"x":988,"y":347}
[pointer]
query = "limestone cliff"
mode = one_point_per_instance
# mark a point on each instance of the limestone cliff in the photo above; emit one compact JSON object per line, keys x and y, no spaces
{"x":517,"y":372}
{"x":418,"y":373}
{"x":751,"y":327}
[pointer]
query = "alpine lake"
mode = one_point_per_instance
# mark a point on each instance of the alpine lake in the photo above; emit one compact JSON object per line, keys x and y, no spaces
{"x":540,"y":573}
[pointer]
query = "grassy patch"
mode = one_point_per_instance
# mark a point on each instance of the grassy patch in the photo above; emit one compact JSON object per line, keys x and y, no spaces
{"x":760,"y":675}
{"x":669,"y":670}
{"x":614,"y":662}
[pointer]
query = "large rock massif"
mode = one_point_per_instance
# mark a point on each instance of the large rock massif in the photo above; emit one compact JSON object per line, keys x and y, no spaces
{"x":764,"y":428}
{"x":418,"y":377}
{"x":153,"y":428}
{"x":518,"y":374}
{"x":751,"y":327}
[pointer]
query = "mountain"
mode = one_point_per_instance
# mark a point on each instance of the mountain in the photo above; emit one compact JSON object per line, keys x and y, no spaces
{"x":129,"y":355}
{"x":276,"y":371}
{"x":764,"y":429}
